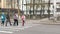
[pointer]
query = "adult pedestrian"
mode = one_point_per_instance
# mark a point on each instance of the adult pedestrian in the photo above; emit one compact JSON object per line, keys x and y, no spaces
{"x":8,"y":19}
{"x":3,"y":18}
{"x":15,"y":19}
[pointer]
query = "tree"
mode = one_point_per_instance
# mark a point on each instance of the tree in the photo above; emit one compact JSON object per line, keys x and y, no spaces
{"x":49,"y":9}
{"x":41,"y":9}
{"x":37,"y":5}
{"x":43,"y":6}
{"x":33,"y":6}
{"x":18,"y":8}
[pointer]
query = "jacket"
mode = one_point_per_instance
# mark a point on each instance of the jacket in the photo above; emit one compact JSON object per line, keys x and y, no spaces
{"x":3,"y":17}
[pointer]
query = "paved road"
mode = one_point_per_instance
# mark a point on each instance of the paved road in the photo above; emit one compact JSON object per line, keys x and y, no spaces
{"x":13,"y":29}
{"x":41,"y":29}
{"x":31,"y":29}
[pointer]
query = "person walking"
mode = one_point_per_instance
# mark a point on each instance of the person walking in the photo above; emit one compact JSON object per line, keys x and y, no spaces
{"x":3,"y":18}
{"x":8,"y":19}
{"x":15,"y":19}
{"x":23,"y":19}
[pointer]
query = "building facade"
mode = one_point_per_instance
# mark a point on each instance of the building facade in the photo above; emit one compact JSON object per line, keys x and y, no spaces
{"x":31,"y":7}
{"x":8,"y":4}
{"x":36,"y":5}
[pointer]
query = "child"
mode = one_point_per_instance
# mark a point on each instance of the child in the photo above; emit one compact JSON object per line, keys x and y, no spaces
{"x":2,"y":18}
{"x":23,"y":20}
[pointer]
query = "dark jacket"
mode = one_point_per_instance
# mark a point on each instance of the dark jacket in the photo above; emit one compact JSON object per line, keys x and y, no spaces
{"x":7,"y":17}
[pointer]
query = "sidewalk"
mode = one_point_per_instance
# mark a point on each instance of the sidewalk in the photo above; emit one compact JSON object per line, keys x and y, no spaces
{"x":43,"y":21}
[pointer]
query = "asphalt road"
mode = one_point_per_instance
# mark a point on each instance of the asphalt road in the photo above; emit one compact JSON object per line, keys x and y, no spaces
{"x":12,"y":29}
{"x":31,"y":29}
{"x":41,"y":29}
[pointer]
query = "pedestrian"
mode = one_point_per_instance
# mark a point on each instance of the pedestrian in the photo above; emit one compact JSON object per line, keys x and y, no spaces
{"x":3,"y":18}
{"x":8,"y":19}
{"x":15,"y":19}
{"x":23,"y":19}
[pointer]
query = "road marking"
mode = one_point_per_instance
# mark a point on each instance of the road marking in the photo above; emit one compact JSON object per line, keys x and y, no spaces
{"x":6,"y":32}
{"x":11,"y":30}
{"x":6,"y":27}
{"x":24,"y":27}
{"x":18,"y":28}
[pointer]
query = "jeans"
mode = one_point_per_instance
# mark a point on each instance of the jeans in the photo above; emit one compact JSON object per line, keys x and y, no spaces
{"x":15,"y":22}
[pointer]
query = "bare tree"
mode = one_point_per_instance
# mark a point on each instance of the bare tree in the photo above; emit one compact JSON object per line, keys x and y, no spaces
{"x":18,"y":8}
{"x":43,"y":6}
{"x":33,"y":6}
{"x":49,"y":9}
{"x":37,"y":6}
{"x":41,"y":9}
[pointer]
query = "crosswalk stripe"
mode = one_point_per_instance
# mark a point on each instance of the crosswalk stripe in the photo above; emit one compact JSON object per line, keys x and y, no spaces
{"x":12,"y":29}
{"x":6,"y":32}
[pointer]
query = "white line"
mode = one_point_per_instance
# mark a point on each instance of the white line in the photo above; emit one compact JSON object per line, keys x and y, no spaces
{"x":27,"y":27}
{"x":11,"y":29}
{"x":23,"y":27}
{"x":6,"y":32}
{"x":6,"y":27}
{"x":18,"y":28}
